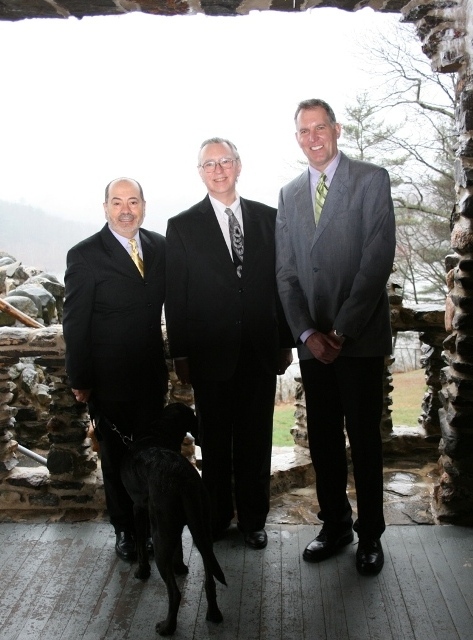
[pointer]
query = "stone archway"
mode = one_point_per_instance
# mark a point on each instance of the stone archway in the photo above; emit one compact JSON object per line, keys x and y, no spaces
{"x":445,"y":28}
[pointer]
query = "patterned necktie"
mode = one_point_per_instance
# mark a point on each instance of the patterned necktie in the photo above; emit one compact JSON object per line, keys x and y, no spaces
{"x":320,"y":195}
{"x":135,"y":256}
{"x":236,"y":237}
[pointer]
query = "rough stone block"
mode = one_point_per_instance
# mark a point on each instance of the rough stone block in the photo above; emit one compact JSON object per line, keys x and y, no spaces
{"x":463,"y":322}
{"x":456,"y":442}
{"x":11,"y":498}
{"x":28,"y":477}
{"x":44,"y":500}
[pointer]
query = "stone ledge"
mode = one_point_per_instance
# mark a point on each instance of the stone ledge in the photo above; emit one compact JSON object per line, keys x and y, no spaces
{"x":291,"y":467}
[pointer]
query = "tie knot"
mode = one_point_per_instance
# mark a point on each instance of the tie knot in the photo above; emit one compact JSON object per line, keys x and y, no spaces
{"x":133,"y":243}
{"x":228,"y":211}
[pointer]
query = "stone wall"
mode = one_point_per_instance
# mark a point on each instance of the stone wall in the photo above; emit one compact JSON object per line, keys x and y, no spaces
{"x":446,"y":32}
{"x":72,"y":479}
{"x":14,"y":10}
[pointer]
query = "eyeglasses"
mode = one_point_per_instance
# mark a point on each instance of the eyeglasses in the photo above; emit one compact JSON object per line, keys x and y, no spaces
{"x":211,"y":165}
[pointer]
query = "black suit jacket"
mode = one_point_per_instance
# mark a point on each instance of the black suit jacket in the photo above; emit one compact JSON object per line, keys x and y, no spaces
{"x":112,"y":317}
{"x":211,"y":312}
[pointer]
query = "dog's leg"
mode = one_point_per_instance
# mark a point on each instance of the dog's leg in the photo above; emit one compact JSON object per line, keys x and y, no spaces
{"x":213,"y":612}
{"x":197,"y":509}
{"x":143,"y":571}
{"x":180,"y":569}
{"x":163,"y":553}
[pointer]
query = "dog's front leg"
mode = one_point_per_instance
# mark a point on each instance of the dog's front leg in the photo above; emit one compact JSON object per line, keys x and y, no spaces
{"x":143,"y":571}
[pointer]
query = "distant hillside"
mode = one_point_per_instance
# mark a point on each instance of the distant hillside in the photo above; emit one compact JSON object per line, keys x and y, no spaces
{"x":38,"y":239}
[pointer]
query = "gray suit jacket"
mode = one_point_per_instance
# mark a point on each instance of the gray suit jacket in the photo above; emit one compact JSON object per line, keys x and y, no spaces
{"x":335,"y":275}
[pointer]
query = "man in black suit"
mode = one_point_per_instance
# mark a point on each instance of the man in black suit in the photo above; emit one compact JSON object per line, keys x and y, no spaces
{"x":228,"y":336}
{"x":112,"y":329}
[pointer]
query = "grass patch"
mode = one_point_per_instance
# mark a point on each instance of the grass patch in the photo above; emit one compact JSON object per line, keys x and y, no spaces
{"x":409,"y":390}
{"x":283,"y":421}
{"x":407,"y":395}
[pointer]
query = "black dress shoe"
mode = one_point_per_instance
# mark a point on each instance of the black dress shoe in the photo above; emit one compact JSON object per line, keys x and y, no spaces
{"x":125,"y":547}
{"x":256,"y":539}
{"x":325,"y":545}
{"x":369,"y":556}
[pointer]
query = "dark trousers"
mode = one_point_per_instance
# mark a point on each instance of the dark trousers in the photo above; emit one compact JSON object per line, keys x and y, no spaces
{"x":125,"y":416}
{"x":235,"y":432}
{"x":347,"y":393}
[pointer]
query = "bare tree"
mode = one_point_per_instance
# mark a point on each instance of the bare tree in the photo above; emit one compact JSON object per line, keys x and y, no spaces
{"x":406,"y":123}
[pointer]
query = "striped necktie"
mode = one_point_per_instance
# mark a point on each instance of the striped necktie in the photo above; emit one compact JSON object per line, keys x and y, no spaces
{"x":135,"y":256}
{"x":236,"y":237}
{"x":320,"y":195}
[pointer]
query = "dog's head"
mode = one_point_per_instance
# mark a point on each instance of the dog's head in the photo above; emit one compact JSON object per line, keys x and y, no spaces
{"x":169,"y":430}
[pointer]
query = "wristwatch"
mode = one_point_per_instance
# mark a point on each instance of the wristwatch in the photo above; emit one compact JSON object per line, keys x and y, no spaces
{"x":338,"y":334}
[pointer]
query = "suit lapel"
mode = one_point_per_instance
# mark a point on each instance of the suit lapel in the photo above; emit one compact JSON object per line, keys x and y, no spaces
{"x":212,"y":235}
{"x":305,"y":206}
{"x":252,"y":235}
{"x":118,"y":254}
{"x":335,"y":195}
{"x":149,"y":255}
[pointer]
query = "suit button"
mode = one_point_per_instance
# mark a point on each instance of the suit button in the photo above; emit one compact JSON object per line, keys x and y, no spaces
{"x":240,"y":290}
{"x":238,"y":322}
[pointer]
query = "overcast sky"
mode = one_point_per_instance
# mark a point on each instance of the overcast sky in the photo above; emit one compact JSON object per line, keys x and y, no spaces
{"x":86,"y":101}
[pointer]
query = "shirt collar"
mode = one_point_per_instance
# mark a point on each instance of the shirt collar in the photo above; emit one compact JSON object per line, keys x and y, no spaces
{"x":329,"y":170}
{"x":124,"y":241}
{"x":219,"y":207}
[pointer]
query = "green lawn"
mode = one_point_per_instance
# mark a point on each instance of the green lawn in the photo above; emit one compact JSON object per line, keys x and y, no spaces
{"x":409,"y":389}
{"x":282,"y":423}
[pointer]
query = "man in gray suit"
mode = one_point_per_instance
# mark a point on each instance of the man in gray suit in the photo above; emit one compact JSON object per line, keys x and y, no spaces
{"x":335,"y":242}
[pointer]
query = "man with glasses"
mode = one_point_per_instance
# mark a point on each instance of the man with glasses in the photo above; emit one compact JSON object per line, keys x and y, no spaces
{"x":228,"y":336}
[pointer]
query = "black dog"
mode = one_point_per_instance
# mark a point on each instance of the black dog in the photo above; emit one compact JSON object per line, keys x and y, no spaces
{"x":168,"y":492}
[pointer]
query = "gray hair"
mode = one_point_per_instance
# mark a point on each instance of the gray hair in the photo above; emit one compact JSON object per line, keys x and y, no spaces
{"x":313,"y":103}
{"x":219,"y":141}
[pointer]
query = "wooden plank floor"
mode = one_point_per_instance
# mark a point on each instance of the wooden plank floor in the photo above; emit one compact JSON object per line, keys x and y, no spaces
{"x":63,"y":581}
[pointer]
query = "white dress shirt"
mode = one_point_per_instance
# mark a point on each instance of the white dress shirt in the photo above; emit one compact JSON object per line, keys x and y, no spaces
{"x":222,"y":218}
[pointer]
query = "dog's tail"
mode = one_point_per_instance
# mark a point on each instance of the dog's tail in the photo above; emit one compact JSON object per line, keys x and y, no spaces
{"x":197,"y":510}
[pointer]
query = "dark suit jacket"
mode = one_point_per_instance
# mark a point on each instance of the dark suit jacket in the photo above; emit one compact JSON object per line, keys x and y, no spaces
{"x":210,"y":312}
{"x":112,"y":317}
{"x":335,"y":274}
